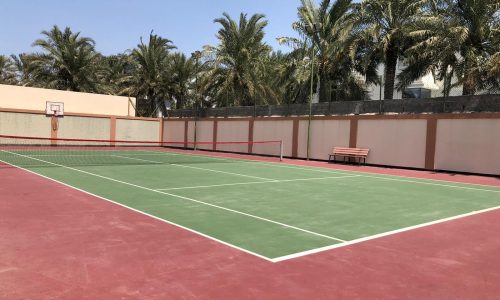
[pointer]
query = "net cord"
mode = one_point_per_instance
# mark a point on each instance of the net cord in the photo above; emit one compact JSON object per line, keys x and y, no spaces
{"x":160,"y":143}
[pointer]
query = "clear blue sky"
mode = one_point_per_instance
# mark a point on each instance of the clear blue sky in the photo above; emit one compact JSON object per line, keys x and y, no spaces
{"x":117,"y":25}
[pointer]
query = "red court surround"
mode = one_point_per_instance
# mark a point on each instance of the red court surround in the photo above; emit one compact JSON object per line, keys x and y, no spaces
{"x":59,"y":243}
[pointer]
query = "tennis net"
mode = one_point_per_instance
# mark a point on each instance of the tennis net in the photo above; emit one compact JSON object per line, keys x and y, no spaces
{"x":25,"y":151}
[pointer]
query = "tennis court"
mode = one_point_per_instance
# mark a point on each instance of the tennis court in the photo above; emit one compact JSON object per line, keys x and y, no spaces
{"x":269,"y":209}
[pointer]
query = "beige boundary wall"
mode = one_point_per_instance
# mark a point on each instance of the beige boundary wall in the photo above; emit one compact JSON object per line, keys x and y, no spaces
{"x":394,"y":142}
{"x":453,"y":142}
{"x":29,"y":98}
{"x":32,"y":123}
{"x":465,"y":144}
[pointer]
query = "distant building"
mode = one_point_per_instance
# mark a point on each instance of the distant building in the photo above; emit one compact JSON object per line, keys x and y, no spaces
{"x":424,"y":87}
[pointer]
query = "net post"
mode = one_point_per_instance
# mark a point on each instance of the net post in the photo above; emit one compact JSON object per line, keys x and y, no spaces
{"x":281,"y":150}
{"x":194,"y":144}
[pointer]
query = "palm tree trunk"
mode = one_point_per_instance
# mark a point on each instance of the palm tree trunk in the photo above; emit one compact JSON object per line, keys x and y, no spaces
{"x":163,"y":109}
{"x":180,"y":102}
{"x":469,"y":86}
{"x":390,"y":72}
{"x":324,"y":91}
{"x":447,"y":83}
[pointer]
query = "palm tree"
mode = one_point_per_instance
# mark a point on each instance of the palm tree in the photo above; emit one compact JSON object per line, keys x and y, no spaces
{"x":386,"y":22}
{"x":7,"y":70}
{"x":288,"y":77}
{"x":22,"y":63}
{"x":67,"y":61}
{"x":330,"y":32}
{"x":150,"y":78}
{"x":237,"y":62}
{"x":183,"y":76}
{"x":112,"y":70}
{"x":459,"y":39}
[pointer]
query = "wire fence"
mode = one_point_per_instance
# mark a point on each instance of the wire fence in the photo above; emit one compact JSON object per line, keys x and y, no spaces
{"x":458,"y":104}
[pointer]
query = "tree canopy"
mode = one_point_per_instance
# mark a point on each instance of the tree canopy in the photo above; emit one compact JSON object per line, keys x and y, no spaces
{"x":348,"y":46}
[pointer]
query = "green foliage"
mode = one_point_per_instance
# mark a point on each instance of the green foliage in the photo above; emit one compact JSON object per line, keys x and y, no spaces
{"x":237,"y":63}
{"x":149,"y":78}
{"x":384,"y":28}
{"x":67,"y":62}
{"x":330,"y":33}
{"x":183,"y":80}
{"x":458,"y":41}
{"x":7,"y":70}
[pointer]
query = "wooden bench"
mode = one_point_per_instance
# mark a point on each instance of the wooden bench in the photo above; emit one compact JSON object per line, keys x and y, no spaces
{"x":359,"y":153}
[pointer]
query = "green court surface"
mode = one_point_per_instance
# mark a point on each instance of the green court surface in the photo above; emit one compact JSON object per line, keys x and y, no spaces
{"x":269,"y":209}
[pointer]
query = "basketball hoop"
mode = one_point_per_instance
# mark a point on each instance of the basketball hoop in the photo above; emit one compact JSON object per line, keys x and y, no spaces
{"x":54,"y":110}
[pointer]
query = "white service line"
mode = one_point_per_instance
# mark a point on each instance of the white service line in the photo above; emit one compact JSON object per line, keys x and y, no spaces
{"x":184,"y":198}
{"x":143,"y":213}
{"x":363,"y":174}
{"x":290,"y":256}
{"x":98,"y":153}
{"x":197,"y":168}
{"x":389,"y":177}
{"x":380,"y":235}
{"x":255,"y":182}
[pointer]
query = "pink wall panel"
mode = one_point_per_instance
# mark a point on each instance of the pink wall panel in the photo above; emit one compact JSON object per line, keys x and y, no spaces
{"x":280,"y":130}
{"x":326,"y":134}
{"x":204,"y":133}
{"x":173,"y":131}
{"x":394,"y":142}
{"x":468,"y":145}
{"x":230,"y":131}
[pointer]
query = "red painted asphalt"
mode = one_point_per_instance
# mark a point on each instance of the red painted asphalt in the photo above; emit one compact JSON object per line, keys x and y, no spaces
{"x":59,"y":243}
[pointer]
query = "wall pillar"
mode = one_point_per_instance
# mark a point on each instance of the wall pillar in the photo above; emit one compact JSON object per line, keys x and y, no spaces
{"x":112,"y":130}
{"x":250,"y":135}
{"x":186,"y":130}
{"x":214,"y":136}
{"x":162,"y":129}
{"x":295,"y":138}
{"x":353,"y":133}
{"x":430,"y":142}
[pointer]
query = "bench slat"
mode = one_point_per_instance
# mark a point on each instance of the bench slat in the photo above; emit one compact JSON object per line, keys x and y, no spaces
{"x":357,"y":152}
{"x":360,"y":153}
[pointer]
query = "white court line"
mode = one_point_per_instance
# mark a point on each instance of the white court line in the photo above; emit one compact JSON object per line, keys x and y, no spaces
{"x":184,"y":198}
{"x":106,"y":153}
{"x":331,"y":171}
{"x":384,"y":176}
{"x":197,"y":168}
{"x":143,"y":213}
{"x":399,"y":178}
{"x":277,"y":259}
{"x":363,"y":174}
{"x":256,"y":182}
{"x":380,"y":235}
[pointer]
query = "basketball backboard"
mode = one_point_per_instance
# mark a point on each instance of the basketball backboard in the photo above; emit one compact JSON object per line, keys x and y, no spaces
{"x":55,"y":108}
